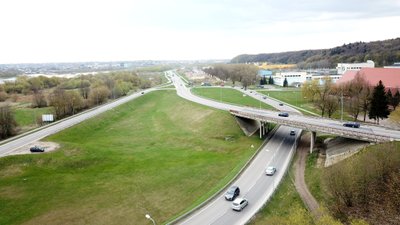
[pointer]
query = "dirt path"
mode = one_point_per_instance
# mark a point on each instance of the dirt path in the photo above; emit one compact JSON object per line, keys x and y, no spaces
{"x":300,"y":183}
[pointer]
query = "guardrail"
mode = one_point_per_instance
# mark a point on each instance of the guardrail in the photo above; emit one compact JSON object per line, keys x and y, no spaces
{"x":345,"y":132}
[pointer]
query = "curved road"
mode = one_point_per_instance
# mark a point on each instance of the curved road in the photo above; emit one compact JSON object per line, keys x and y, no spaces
{"x":255,"y":186}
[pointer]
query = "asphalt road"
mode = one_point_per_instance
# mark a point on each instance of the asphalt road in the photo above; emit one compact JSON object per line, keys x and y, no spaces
{"x":255,"y":186}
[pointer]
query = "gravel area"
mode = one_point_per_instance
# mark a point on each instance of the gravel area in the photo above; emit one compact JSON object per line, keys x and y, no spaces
{"x":48,"y":147}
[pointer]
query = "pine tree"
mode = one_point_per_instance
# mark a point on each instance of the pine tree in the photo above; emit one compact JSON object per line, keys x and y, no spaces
{"x":379,"y":103}
{"x":285,"y":83}
{"x":271,"y":80}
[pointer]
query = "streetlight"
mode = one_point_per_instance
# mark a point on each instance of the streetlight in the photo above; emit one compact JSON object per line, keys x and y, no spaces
{"x":149,"y":218}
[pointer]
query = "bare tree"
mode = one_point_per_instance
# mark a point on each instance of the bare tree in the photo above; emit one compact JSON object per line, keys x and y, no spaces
{"x":332,"y":105}
{"x":38,"y":99}
{"x":323,"y":93}
{"x":7,"y":122}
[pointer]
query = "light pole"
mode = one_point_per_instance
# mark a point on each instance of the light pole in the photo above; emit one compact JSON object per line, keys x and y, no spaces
{"x":149,"y":218}
{"x":341,"y":104}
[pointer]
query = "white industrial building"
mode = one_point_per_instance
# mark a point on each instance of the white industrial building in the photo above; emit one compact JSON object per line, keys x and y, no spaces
{"x":297,"y":78}
{"x":343,"y":67}
{"x":293,"y":78}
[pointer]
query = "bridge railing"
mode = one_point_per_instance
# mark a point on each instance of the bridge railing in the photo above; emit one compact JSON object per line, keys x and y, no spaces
{"x":346,"y":132}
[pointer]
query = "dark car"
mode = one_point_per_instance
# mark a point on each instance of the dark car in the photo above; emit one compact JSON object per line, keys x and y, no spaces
{"x":352,"y":124}
{"x":264,"y":97}
{"x":281,"y":104}
{"x":292,"y":132}
{"x":142,"y":92}
{"x":284,"y":114}
{"x":232,"y":193}
{"x":36,"y":149}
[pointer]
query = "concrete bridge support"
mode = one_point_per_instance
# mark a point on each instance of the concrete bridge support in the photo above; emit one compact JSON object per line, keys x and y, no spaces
{"x":264,"y":128}
{"x":313,"y":137}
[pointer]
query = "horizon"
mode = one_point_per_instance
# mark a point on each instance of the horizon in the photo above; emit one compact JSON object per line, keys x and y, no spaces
{"x":103,"y":31}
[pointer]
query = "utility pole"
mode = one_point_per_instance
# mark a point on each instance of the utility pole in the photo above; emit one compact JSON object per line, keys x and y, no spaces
{"x":341,"y":103}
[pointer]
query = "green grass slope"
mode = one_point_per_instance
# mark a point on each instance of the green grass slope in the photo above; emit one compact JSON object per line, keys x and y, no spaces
{"x":229,"y":95}
{"x":158,"y":154}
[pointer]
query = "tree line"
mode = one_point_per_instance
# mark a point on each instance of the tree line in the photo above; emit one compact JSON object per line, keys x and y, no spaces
{"x":383,"y":53}
{"x":244,"y":73}
{"x":66,"y":96}
{"x":357,"y":96}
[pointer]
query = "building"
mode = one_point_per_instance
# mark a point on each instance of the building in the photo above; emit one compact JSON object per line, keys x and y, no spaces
{"x":395,"y":65}
{"x":265,"y":73}
{"x":343,"y":67}
{"x":293,"y":77}
{"x":390,"y":77}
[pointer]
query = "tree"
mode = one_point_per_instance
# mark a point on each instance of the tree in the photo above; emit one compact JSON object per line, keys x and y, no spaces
{"x":285,"y":82}
{"x":395,"y":100}
{"x":389,"y":96}
{"x":379,"y":103}
{"x":323,"y":92}
{"x":270,"y":80}
{"x":309,"y":90}
{"x":38,"y":100}
{"x":74,"y":102}
{"x":99,"y":95}
{"x":332,"y":105}
{"x":7,"y":122}
{"x":365,"y":100}
{"x":84,"y":88}
{"x":57,"y":99}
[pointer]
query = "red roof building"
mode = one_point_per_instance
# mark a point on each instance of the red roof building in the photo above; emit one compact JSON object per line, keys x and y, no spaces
{"x":390,"y":77}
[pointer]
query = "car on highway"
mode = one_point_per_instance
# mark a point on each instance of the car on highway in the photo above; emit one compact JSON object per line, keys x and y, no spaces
{"x":36,"y":149}
{"x":239,"y":204}
{"x":142,"y":92}
{"x":352,"y":124}
{"x":283,"y":114}
{"x":270,"y":171}
{"x":232,"y":193}
{"x":280,"y":104}
{"x":292,"y":132}
{"x":264,"y":97}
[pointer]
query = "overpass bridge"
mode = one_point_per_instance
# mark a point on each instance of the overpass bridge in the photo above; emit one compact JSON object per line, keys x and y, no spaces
{"x":315,"y":124}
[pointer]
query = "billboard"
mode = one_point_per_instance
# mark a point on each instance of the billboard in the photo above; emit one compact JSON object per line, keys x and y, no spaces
{"x":47,"y":118}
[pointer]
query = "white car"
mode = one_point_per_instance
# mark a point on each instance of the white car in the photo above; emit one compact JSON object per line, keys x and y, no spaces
{"x":239,"y":204}
{"x":270,"y":171}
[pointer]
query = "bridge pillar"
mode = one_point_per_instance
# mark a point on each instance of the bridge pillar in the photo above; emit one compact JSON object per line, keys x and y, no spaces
{"x":261,"y":129}
{"x":313,"y":136}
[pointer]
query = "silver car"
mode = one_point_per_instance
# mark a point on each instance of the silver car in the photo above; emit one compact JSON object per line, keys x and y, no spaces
{"x":239,"y":204}
{"x":270,"y":171}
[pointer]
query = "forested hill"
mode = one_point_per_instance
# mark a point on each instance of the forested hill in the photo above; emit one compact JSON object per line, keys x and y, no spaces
{"x":383,"y":53}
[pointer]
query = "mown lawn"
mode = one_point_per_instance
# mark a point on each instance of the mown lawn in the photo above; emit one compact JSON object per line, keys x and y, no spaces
{"x":229,"y":95}
{"x":158,"y":154}
{"x":292,"y":97}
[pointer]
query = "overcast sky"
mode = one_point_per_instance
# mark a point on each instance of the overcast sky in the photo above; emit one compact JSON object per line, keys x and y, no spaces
{"x":112,"y":30}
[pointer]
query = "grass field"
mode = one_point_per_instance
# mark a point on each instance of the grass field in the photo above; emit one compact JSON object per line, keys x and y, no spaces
{"x":292,"y":97}
{"x":158,"y":154}
{"x":28,"y":116}
{"x":229,"y":95}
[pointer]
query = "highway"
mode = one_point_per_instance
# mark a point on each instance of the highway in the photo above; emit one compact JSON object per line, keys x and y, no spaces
{"x":255,"y":186}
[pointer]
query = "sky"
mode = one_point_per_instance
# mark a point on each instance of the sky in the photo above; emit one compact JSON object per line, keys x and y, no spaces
{"x":114,"y":30}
